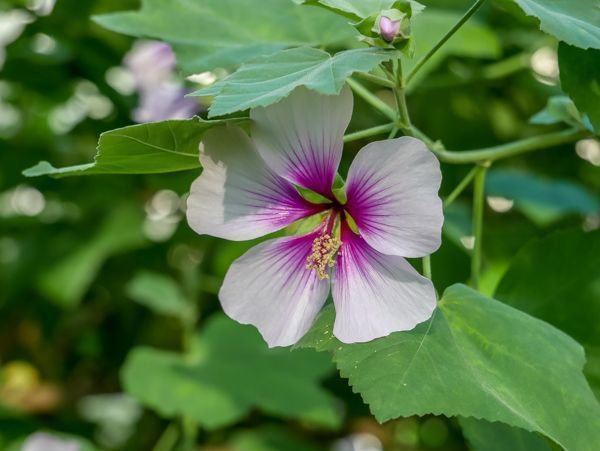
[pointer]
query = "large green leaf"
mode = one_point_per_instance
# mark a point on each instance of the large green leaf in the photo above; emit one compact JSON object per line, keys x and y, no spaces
{"x":557,"y":279}
{"x":486,"y":436}
{"x":224,"y":33}
{"x":476,"y":358}
{"x":67,"y":282}
{"x":576,"y":22}
{"x":580,"y":78}
{"x":268,"y":79}
{"x":473,"y":40}
{"x":541,"y":199}
{"x":156,"y":147}
{"x":230,"y":372}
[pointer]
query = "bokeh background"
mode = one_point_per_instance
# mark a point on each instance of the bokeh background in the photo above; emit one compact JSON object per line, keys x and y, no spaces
{"x":86,"y":263}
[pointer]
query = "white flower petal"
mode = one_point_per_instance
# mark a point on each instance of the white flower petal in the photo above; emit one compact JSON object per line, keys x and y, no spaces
{"x":392,"y":190}
{"x":301,"y":137}
{"x":376,"y":294}
{"x":237,"y":196}
{"x":270,"y":287}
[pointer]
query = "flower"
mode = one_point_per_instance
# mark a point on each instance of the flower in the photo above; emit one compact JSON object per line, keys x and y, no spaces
{"x":248,"y":189}
{"x":42,"y":441}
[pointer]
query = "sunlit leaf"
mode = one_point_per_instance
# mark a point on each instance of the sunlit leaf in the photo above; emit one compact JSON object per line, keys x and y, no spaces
{"x":224,"y":33}
{"x":574,"y":22}
{"x":266,"y":80}
{"x":580,"y":78}
{"x":557,"y":279}
{"x":230,"y":372}
{"x":475,"y":358}
{"x":152,"y":148}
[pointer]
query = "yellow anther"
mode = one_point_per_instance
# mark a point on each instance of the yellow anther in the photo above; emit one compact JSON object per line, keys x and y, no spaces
{"x":322,"y":257}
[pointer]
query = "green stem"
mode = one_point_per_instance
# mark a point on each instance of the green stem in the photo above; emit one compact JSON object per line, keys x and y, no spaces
{"x":461,"y":186}
{"x":168,"y":439}
{"x":378,"y":130}
{"x":478,"y":206}
{"x":442,"y":41}
{"x":400,"y":93}
{"x":372,"y":99}
{"x":375,"y":79}
{"x":427,"y":266}
{"x":510,"y":149}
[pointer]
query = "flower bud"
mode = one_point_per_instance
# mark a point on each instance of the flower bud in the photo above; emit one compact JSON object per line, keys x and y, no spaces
{"x":388,"y":28}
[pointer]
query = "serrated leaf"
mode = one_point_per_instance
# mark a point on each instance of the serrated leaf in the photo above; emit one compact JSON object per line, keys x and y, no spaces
{"x":485,"y":436}
{"x":231,"y":372}
{"x":151,"y":148}
{"x":580,"y":78}
{"x":224,"y":33}
{"x":574,"y":22}
{"x":477,"y":358}
{"x":557,"y":279}
{"x":160,"y":293}
{"x":266,"y":80}
{"x":541,"y":199}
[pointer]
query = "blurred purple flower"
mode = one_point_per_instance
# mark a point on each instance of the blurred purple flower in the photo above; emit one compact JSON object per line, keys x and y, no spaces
{"x":161,"y":97}
{"x":42,"y":441}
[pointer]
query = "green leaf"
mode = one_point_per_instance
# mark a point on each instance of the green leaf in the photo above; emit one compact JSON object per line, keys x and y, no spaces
{"x":357,"y":10}
{"x":152,"y":148}
{"x":574,"y":22}
{"x":224,"y":33}
{"x":580,"y":78}
{"x":541,"y":199}
{"x":268,"y":79}
{"x":557,"y":279}
{"x":561,"y":109}
{"x":477,"y":358}
{"x":67,"y":282}
{"x":472,"y":40}
{"x":486,"y":436}
{"x":160,"y":293}
{"x":231,"y":372}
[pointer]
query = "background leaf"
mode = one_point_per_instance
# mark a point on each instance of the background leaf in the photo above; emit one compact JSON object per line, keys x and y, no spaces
{"x":580,"y":78}
{"x":67,"y":281}
{"x":268,"y":79}
{"x":160,"y":293}
{"x":486,"y":436}
{"x":576,"y":23}
{"x":225,"y":33}
{"x":476,"y":357}
{"x":230,"y":372}
{"x":557,"y":279}
{"x":473,"y":40}
{"x":541,"y":199}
